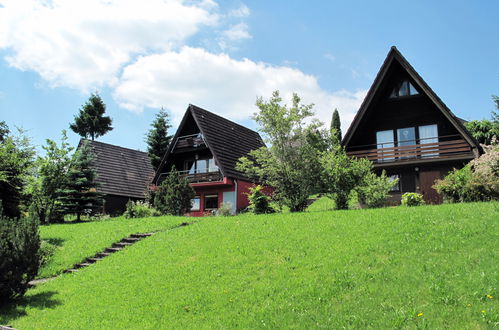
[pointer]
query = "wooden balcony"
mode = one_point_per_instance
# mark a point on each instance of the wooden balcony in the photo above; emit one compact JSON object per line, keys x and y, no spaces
{"x":189,"y":141}
{"x":213,"y":175}
{"x":449,"y":146}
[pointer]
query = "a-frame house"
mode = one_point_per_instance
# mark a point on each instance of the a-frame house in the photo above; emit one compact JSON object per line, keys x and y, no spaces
{"x":206,"y":148}
{"x":406,"y":129}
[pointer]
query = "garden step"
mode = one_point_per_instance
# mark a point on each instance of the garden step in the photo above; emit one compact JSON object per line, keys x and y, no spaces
{"x":113,"y":249}
{"x":71,"y":270}
{"x":121,"y":244}
{"x":102,"y":254}
{"x":93,"y":260}
{"x":131,"y":239}
{"x":83,"y":264}
{"x":141,"y":235}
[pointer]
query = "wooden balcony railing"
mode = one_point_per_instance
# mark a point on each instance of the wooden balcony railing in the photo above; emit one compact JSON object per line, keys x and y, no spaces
{"x":189,"y":141}
{"x":211,"y":175}
{"x":447,"y":146}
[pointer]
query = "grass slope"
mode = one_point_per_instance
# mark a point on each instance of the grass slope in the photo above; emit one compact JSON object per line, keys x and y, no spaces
{"x":76,"y":241}
{"x":364,"y":268}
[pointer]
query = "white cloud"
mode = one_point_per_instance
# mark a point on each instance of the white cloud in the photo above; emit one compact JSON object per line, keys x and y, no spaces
{"x":237,"y":32}
{"x":242,"y":11}
{"x":84,"y":44}
{"x":221,"y":84}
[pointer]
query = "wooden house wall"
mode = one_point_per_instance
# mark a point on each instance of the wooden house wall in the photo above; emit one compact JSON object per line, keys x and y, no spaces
{"x":392,"y":113}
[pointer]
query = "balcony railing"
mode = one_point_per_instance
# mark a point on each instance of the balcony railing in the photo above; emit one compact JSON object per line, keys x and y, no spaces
{"x":435,"y":147}
{"x":210,"y":175}
{"x":189,"y":141}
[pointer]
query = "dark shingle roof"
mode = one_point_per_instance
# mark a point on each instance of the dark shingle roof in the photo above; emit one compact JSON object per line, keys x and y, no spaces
{"x":121,"y":171}
{"x":227,"y":140}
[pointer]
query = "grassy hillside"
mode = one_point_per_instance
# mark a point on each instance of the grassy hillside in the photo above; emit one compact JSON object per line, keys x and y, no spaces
{"x":430,"y":266}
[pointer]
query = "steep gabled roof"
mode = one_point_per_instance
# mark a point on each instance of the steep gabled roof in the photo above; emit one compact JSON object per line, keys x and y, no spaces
{"x":395,"y":55}
{"x":226,"y":140}
{"x":121,"y":171}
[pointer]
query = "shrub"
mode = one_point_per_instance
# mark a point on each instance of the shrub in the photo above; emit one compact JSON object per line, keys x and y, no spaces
{"x":259,"y":201}
{"x":174,"y":195}
{"x":412,"y":199}
{"x":374,"y":191}
{"x":477,"y":181}
{"x":19,"y":255}
{"x":225,"y":209}
{"x":139,"y":209}
{"x":47,"y":250}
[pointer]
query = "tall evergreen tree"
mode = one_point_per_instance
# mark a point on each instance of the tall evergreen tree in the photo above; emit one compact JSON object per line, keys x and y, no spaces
{"x":90,"y":121}
{"x":336,"y":127}
{"x":158,"y":139}
{"x":80,"y":192}
{"x":174,"y":195}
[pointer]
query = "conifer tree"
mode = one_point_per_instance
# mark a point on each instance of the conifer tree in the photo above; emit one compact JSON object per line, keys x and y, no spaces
{"x":158,"y":139}
{"x":90,"y":121}
{"x":336,"y":127}
{"x":174,"y":195}
{"x":80,"y":193}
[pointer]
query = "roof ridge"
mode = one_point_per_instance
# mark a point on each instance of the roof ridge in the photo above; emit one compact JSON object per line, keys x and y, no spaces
{"x":114,"y":145}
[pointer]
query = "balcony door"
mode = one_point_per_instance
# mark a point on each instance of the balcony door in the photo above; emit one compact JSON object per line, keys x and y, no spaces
{"x":428,"y":135}
{"x":385,"y":139}
{"x":406,"y":137}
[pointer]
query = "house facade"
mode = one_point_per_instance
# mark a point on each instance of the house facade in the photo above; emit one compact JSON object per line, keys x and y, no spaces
{"x":122,"y":174}
{"x":404,"y":128}
{"x":205,"y":149}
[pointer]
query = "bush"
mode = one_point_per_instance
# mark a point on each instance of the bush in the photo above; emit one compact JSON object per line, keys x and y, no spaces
{"x":259,"y":201}
{"x":412,"y":199}
{"x":47,"y":250}
{"x":139,"y":209}
{"x":375,"y":190}
{"x":174,"y":195}
{"x":225,"y":209}
{"x":19,"y":255}
{"x":477,"y":181}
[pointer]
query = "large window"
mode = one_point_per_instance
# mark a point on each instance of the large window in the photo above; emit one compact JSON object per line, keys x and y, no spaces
{"x":196,"y":203}
{"x":429,"y":135}
{"x":210,"y":202}
{"x":385,"y":139}
{"x":201,"y":166}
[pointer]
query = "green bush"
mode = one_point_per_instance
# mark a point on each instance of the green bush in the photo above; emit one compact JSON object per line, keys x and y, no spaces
{"x":375,"y":190}
{"x":139,"y":209}
{"x":174,"y":195}
{"x":47,"y":250}
{"x":412,"y":199}
{"x":477,"y":181}
{"x":259,"y":201}
{"x":19,"y":255}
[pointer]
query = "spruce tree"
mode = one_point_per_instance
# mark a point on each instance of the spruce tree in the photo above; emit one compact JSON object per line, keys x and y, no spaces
{"x":336,"y":127}
{"x":80,"y":193}
{"x":90,"y":121}
{"x":158,"y":139}
{"x":174,"y":195}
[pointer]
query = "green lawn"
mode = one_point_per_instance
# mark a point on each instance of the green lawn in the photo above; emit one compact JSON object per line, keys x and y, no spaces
{"x":355,"y":269}
{"x":77,"y":241}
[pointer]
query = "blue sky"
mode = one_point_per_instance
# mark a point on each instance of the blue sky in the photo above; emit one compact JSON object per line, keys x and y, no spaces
{"x":221,"y":55}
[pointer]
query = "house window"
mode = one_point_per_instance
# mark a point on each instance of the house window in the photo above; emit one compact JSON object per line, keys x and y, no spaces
{"x":196,"y":203}
{"x":396,"y":186}
{"x":406,"y":137}
{"x":429,"y":135}
{"x":405,"y":88}
{"x":210,"y":202}
{"x":385,"y":139}
{"x":201,"y":166}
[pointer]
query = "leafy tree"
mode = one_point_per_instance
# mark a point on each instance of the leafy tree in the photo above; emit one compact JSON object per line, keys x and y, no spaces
{"x":16,"y":161}
{"x":342,"y":174}
{"x":375,"y":190}
{"x":80,"y":192}
{"x":49,"y":179}
{"x":4,"y":130}
{"x":90,"y":121}
{"x":19,"y":255}
{"x":174,"y":195}
{"x":486,"y":131}
{"x":290,"y":164}
{"x":158,"y":139}
{"x":336,"y":127}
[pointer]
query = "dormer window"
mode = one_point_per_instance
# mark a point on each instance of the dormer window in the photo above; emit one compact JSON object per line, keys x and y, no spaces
{"x":405,"y":88}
